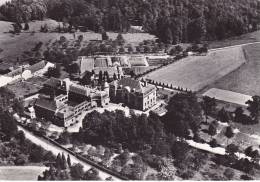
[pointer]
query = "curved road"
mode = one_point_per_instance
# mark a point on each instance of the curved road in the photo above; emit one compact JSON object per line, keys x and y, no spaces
{"x":56,"y":150}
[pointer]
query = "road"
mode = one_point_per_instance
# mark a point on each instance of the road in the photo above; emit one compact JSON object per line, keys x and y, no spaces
{"x":56,"y":150}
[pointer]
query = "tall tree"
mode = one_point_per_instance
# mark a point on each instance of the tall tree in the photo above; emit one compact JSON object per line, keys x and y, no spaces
{"x":254,"y":107}
{"x":208,"y":105}
{"x":229,"y":133}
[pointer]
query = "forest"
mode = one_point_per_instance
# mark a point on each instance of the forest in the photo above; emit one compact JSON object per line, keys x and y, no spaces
{"x":172,"y":21}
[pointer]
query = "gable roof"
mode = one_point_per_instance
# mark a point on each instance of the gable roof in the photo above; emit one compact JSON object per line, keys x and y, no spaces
{"x":132,"y":83}
{"x":53,"y":82}
{"x":136,"y":84}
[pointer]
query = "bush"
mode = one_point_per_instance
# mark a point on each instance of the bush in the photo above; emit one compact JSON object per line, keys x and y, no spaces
{"x":229,"y":173}
{"x":213,"y":143}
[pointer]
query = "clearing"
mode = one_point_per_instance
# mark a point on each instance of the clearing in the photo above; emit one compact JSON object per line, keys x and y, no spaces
{"x":21,"y":173}
{"x":246,"y":79}
{"x":196,"y":72}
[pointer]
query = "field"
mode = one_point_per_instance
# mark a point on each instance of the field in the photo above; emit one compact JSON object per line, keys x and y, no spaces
{"x":196,"y":72}
{"x":246,"y":79}
{"x":13,"y":46}
{"x":20,"y":172}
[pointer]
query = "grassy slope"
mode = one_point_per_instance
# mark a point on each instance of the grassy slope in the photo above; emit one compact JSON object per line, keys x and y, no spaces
{"x":198,"y":71}
{"x":15,"y":45}
{"x":246,"y":79}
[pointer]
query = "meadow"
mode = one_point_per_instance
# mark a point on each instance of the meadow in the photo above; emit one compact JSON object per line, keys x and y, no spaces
{"x":246,"y":79}
{"x":196,"y":72}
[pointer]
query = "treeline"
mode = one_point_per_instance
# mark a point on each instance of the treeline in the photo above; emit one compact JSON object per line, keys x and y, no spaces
{"x":172,"y":21}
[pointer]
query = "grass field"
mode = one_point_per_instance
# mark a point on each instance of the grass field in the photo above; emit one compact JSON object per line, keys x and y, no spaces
{"x":196,"y":72}
{"x":14,"y":46}
{"x":21,"y":173}
{"x":246,"y":79}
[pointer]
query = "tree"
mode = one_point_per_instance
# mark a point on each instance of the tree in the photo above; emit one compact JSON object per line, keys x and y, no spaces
{"x":26,"y":26}
{"x":80,"y":38}
{"x":229,"y":133}
{"x":114,"y":76}
{"x":63,"y":162}
{"x":68,"y":160}
{"x":130,"y":49}
{"x":87,"y":78}
{"x":168,"y":36}
{"x":74,"y":68}
{"x":77,"y":171}
{"x":53,"y":72}
{"x":232,"y":149}
{"x":92,"y":174}
{"x":254,"y":107}
{"x":184,"y":114}
{"x":223,"y":116}
{"x":104,"y":36}
{"x":239,"y":115}
{"x":212,"y":129}
{"x":208,"y":105}
{"x":100,"y":77}
{"x":229,"y":173}
{"x":120,"y":39}
{"x":36,"y":154}
{"x":17,"y":27}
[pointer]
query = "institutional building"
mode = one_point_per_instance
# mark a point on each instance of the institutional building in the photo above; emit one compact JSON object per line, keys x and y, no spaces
{"x":61,"y":101}
{"x":135,"y":94}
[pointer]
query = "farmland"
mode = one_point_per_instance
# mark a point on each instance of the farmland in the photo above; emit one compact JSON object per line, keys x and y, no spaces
{"x":246,"y":79}
{"x":20,"y":172}
{"x":196,"y":72}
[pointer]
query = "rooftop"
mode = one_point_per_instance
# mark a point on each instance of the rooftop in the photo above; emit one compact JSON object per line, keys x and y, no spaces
{"x":135,"y":84}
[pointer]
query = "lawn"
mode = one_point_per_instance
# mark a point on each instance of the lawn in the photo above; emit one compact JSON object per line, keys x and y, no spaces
{"x":196,"y":72}
{"x":21,"y":173}
{"x":246,"y":79}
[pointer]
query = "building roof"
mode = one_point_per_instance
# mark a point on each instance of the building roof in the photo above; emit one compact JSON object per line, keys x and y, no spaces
{"x":36,"y":67}
{"x":53,"y":82}
{"x":81,"y":90}
{"x":129,"y":83}
{"x":46,"y":104}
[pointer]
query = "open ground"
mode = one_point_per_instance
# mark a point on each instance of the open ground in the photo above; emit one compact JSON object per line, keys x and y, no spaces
{"x":196,"y":72}
{"x":246,"y":79}
{"x":21,"y":173}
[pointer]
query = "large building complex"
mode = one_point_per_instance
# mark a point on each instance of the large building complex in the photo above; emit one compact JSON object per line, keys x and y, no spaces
{"x":134,"y":93}
{"x":62,"y":101}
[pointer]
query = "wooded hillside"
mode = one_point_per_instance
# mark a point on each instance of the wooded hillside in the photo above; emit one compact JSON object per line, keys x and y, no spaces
{"x":172,"y":21}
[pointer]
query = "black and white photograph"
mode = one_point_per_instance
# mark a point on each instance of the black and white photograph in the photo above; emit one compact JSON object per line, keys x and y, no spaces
{"x":123,"y":90}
